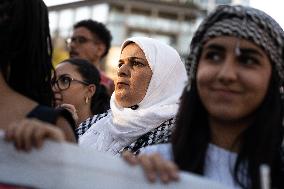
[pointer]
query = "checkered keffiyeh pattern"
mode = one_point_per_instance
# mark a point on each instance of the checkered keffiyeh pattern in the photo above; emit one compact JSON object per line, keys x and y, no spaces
{"x":159,"y":135}
{"x":84,"y":126}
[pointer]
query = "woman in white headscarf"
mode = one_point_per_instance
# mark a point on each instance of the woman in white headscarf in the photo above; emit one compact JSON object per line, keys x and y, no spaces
{"x":149,"y":83}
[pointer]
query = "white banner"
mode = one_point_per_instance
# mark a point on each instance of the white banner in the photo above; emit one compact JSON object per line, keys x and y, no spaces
{"x":69,"y":166}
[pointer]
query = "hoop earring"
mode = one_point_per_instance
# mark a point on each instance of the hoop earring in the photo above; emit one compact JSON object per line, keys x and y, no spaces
{"x":87,"y":100}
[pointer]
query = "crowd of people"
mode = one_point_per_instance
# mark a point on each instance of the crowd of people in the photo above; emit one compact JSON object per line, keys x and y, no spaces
{"x":219,"y":115}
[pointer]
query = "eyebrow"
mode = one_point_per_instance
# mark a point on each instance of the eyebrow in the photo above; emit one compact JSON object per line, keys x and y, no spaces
{"x":214,"y":47}
{"x":243,"y":50}
{"x":132,"y":59}
{"x":63,"y":75}
{"x":251,"y":51}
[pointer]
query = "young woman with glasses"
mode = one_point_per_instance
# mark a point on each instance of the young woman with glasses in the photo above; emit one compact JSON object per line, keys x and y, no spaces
{"x":76,"y":86}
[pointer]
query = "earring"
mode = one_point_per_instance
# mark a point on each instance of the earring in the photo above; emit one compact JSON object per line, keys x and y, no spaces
{"x":87,"y":100}
{"x":281,"y":90}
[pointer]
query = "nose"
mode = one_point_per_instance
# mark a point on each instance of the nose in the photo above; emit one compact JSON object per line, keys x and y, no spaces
{"x":228,"y":70}
{"x":123,"y":71}
{"x":55,"y":88}
{"x":71,"y":45}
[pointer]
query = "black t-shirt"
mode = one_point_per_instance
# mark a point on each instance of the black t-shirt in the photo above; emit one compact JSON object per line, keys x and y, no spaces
{"x":50,"y":115}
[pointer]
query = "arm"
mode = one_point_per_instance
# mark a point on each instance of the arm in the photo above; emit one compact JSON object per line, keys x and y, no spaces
{"x":30,"y":133}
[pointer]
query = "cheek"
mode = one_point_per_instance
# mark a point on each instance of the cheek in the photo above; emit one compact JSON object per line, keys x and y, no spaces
{"x":67,"y":97}
{"x":257,"y":87}
{"x":204,"y":76}
{"x":141,"y":84}
{"x":74,"y":97}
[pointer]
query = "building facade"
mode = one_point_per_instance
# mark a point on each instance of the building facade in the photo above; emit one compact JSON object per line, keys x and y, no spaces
{"x":171,"y":21}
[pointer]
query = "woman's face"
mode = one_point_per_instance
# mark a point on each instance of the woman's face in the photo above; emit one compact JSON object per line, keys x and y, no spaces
{"x":133,"y":76}
{"x":77,"y":91}
{"x":231,"y":87}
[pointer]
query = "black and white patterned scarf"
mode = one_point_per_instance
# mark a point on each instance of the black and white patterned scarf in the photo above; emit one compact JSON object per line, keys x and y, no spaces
{"x":159,"y":135}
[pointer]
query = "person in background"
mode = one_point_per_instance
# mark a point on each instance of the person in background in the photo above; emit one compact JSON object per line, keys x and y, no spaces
{"x":76,"y":86}
{"x":148,"y":86}
{"x":230,"y":120}
{"x":91,"y":40}
{"x":25,"y":74}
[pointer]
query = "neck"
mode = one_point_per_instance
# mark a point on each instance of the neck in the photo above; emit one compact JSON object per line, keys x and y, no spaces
{"x":83,"y":114}
{"x":226,"y":134}
{"x":13,"y":106}
{"x":96,"y":63}
{"x":4,"y":88}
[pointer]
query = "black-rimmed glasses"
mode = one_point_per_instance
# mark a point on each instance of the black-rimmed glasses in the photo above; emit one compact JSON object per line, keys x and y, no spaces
{"x":64,"y":82}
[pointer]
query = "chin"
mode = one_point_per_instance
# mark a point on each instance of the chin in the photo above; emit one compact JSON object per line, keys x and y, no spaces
{"x":228,"y":116}
{"x":122,"y":101}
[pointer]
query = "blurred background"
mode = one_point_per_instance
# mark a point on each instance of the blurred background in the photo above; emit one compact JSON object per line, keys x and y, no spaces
{"x":171,"y":21}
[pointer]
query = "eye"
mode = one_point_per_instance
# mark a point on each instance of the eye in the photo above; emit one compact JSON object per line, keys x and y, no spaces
{"x":248,"y":60}
{"x":137,"y":63}
{"x":120,"y":64}
{"x":82,"y":39}
{"x":65,"y":80}
{"x":213,"y":56}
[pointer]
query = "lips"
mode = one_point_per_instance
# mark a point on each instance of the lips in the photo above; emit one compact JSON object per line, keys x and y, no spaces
{"x":73,"y":54}
{"x":57,"y":101}
{"x":122,"y":84}
{"x":225,"y":90}
{"x":225,"y":94}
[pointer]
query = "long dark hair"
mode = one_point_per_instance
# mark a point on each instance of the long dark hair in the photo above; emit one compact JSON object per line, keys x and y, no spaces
{"x":25,"y":48}
{"x":100,"y":101}
{"x":260,"y":143}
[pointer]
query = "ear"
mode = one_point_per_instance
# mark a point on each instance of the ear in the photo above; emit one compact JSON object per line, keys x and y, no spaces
{"x":101,"y":48}
{"x":91,"y":90}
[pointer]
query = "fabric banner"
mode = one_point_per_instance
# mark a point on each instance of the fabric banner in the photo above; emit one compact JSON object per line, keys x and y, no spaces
{"x":62,"y":165}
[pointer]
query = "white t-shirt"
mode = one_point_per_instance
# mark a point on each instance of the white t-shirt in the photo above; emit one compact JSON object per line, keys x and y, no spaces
{"x":219,"y":163}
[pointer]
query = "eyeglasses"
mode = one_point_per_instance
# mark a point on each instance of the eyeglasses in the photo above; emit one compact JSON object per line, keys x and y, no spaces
{"x":79,"y":40}
{"x":64,"y":82}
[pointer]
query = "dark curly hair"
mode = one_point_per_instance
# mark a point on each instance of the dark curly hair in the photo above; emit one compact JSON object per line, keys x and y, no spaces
{"x":98,"y":30}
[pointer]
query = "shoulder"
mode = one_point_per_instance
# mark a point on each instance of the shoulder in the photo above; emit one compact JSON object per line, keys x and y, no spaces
{"x":105,"y":79}
{"x":159,"y":135}
{"x":51,"y":115}
{"x":44,"y":113}
{"x":107,"y":82}
{"x":84,"y":126}
{"x":59,"y":117}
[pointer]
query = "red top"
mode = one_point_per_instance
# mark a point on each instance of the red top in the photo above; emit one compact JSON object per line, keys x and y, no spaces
{"x":107,"y":82}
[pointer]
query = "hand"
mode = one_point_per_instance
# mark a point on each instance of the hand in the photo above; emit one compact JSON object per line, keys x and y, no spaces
{"x":71,"y":108}
{"x":30,"y":133}
{"x":154,"y":166}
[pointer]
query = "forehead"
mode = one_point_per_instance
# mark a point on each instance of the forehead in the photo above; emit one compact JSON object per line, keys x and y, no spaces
{"x":229,"y":42}
{"x":66,"y":68}
{"x":82,"y":31}
{"x":132,"y":50}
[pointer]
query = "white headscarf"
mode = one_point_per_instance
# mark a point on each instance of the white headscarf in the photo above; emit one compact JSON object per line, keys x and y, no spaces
{"x":122,"y":126}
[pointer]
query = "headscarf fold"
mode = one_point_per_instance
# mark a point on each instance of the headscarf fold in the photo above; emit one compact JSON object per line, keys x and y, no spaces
{"x":123,"y":126}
